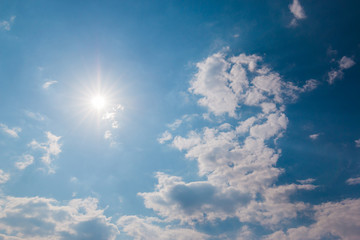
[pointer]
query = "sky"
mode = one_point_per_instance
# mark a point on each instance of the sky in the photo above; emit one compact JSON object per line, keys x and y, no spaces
{"x":179,"y":120}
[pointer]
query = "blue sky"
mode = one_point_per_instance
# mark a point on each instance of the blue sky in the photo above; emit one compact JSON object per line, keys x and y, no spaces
{"x":179,"y":120}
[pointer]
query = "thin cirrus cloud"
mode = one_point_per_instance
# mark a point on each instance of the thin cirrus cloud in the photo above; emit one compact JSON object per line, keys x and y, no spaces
{"x":7,"y":24}
{"x":13,"y":132}
{"x":297,"y":10}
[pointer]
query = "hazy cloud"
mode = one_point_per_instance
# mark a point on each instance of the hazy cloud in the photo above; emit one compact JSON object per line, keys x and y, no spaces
{"x":146,"y":228}
{"x":344,"y":63}
{"x":314,"y":136}
{"x":47,"y":84}
{"x":11,"y":131}
{"x":4,"y":177}
{"x":357,"y":143}
{"x":27,"y":160}
{"x":7,"y":24}
{"x":353,"y":181}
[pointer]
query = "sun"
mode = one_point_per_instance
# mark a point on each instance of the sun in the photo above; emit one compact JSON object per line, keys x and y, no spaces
{"x":98,"y":102}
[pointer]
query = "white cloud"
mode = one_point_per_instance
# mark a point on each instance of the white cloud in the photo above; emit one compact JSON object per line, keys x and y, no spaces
{"x":27,"y":160}
{"x":332,"y":220}
{"x":344,"y":63}
{"x":11,"y":131}
{"x":297,"y":10}
{"x":353,"y":181}
{"x":52,"y":148}
{"x":47,"y":84}
{"x":4,"y":177}
{"x":314,"y":136}
{"x":36,"y":218}
{"x":146,"y":228}
{"x":166,"y":136}
{"x":357,"y":143}
{"x":7,"y":24}
{"x":112,"y":114}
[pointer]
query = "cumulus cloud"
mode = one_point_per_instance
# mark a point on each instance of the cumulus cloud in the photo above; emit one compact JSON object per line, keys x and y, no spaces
{"x":43,"y":218}
{"x":7,"y":24}
{"x":297,"y":10}
{"x":47,"y":84}
{"x":4,"y":177}
{"x":27,"y":160}
{"x":235,"y":160}
{"x":146,"y":228}
{"x":51,"y":149}
{"x":332,"y":220}
{"x":14,"y":132}
{"x":338,"y":73}
{"x":353,"y":181}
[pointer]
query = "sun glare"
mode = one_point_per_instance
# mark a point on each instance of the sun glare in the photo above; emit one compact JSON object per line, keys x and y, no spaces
{"x":98,"y":102}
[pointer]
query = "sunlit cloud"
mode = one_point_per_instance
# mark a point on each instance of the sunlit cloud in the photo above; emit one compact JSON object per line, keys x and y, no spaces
{"x":166,"y":136}
{"x":353,"y":181}
{"x":52,"y":148}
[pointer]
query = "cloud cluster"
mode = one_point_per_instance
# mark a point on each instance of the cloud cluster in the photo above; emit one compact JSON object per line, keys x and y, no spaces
{"x":236,"y":160}
{"x":51,"y":149}
{"x":43,"y":218}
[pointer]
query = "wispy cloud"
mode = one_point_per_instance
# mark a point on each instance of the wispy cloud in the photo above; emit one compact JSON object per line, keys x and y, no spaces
{"x":357,"y":143}
{"x":338,"y":73}
{"x":314,"y":136}
{"x":297,"y":10}
{"x":35,"y":115}
{"x":353,"y":181}
{"x":165,"y":137}
{"x":47,"y":84}
{"x":4,"y":177}
{"x":11,"y":131}
{"x":26,"y":161}
{"x":52,"y":148}
{"x":7,"y":24}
